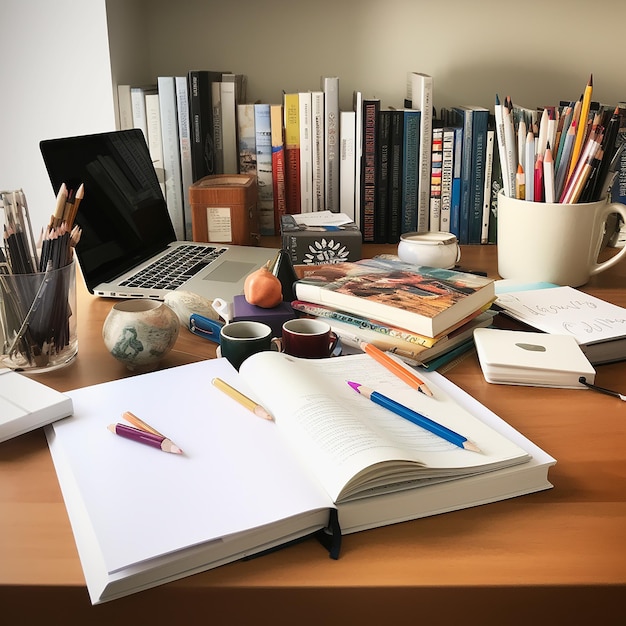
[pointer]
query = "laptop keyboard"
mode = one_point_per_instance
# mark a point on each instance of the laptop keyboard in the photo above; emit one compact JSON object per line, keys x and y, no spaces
{"x":174,"y":268}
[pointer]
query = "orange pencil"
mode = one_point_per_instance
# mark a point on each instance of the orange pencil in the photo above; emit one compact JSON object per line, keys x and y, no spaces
{"x":393,"y":366}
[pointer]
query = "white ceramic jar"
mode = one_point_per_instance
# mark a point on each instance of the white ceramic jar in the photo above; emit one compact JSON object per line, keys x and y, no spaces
{"x":139,"y":333}
{"x":434,"y":249}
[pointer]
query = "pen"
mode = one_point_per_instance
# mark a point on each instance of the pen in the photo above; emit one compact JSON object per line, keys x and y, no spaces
{"x":236,"y":395}
{"x":396,"y":368}
{"x":415,"y":417}
{"x":583,"y":381}
{"x":141,"y":436}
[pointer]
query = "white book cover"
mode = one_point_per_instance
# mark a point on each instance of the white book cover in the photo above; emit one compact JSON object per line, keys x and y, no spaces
{"x":306,"y":156}
{"x":420,"y":92}
{"x":171,"y":153}
{"x":347,"y":163}
{"x":330,"y":87}
{"x":138,"y":100}
{"x":184,"y":138}
{"x":26,"y":404}
{"x":155,"y":140}
{"x":489,"y":145}
{"x":317,"y":151}
{"x":229,"y":127}
{"x":517,"y":357}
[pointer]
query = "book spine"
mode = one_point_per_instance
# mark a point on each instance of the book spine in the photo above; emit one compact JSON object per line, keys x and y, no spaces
{"x":155,"y":141}
{"x":330,"y":87}
{"x":363,"y":323}
{"x":420,"y":93}
{"x":489,"y":155}
{"x":447,"y":167}
{"x":218,"y":133}
{"x":278,"y":165}
{"x":306,"y":154}
{"x":171,"y":153}
{"x":347,"y":163}
{"x":124,"y":107}
{"x":184,"y":139}
{"x":435,"y":179}
{"x":410,"y":164}
{"x":229,"y":124}
{"x":357,"y":107}
{"x":395,"y":176}
{"x":465,"y":117}
{"x":317,"y":150}
{"x":382,"y":176}
{"x":263,"y":132}
{"x":138,"y":101}
{"x":371,"y":109}
{"x":292,"y":152}
{"x":455,"y":198}
{"x":201,"y":122}
{"x":246,"y":139}
{"x":496,"y":185}
{"x":480,"y":118}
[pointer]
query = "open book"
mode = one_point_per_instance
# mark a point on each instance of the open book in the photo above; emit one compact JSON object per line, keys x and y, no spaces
{"x":142,"y":517}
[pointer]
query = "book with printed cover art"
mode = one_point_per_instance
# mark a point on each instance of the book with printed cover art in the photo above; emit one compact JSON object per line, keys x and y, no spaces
{"x":425,"y":300}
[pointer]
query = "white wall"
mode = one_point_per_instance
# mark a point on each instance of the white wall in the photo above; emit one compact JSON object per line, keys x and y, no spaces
{"x":56,"y":81}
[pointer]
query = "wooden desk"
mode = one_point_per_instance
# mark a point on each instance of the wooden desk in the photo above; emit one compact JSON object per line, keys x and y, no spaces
{"x":555,"y":557}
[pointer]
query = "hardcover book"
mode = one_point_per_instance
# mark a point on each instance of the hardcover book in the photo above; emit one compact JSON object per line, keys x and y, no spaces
{"x":263,"y":132}
{"x":244,"y":485}
{"x":278,"y":165}
{"x":330,"y":87}
{"x":514,"y":357}
{"x":424,"y":300}
{"x":410,"y":165}
{"x":201,"y":121}
{"x":369,"y":166}
{"x":292,"y":152}
{"x":420,"y":95}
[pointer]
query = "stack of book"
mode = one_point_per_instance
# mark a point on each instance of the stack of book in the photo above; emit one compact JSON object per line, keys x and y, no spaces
{"x":418,"y":313}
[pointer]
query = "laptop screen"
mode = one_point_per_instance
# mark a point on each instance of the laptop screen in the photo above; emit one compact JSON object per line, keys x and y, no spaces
{"x":123,"y":215}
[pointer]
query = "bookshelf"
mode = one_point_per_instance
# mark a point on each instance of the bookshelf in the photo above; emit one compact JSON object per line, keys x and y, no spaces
{"x":472,"y":54}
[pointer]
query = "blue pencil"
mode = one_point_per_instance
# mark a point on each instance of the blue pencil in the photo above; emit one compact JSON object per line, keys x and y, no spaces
{"x":415,"y":417}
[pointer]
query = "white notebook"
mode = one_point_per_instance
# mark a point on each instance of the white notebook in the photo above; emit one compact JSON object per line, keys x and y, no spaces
{"x":26,"y":404}
{"x":527,"y":358}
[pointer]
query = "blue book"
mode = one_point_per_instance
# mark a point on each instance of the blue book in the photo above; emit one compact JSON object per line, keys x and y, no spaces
{"x":462,"y":116}
{"x":480,"y":121}
{"x":410,"y":165}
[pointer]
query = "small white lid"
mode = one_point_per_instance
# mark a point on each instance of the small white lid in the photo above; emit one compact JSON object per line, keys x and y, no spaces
{"x":437,"y":238}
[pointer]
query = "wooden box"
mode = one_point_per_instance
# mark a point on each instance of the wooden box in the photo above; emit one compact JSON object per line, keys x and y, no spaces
{"x":224,"y":209}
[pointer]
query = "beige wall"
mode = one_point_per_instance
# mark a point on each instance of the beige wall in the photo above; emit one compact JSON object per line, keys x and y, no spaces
{"x":57,"y":70}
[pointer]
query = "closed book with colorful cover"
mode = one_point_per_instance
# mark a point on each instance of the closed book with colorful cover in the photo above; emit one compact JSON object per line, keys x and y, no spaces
{"x":425,"y":300}
{"x":517,"y":357}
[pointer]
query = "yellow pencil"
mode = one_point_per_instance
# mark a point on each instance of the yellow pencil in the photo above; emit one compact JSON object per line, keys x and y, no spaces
{"x":236,"y":395}
{"x":396,"y":368}
{"x":582,"y":125}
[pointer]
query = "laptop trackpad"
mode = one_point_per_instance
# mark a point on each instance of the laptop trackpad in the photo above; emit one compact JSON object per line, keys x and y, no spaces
{"x":230,"y":271}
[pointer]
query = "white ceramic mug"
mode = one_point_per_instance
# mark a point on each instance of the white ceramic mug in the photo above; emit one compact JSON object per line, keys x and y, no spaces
{"x":434,"y":249}
{"x":552,"y":242}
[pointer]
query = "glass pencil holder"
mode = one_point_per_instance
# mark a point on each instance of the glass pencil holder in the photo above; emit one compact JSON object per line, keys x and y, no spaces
{"x":38,"y":325}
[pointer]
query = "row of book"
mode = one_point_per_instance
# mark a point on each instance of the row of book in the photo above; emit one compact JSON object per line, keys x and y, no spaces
{"x":422,"y":315}
{"x":392,"y":169}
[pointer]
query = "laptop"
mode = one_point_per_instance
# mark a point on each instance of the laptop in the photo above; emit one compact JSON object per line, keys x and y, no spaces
{"x":128,"y":247}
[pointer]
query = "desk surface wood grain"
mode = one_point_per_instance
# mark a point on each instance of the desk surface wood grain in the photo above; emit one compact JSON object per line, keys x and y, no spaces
{"x":557,"y":556}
